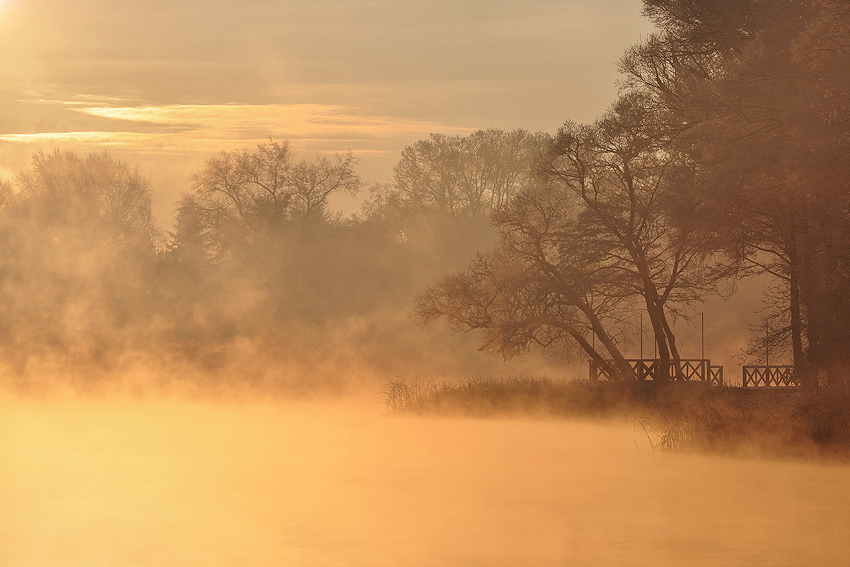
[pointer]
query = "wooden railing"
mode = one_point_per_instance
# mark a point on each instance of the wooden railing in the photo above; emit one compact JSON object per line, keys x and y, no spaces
{"x":650,"y":369}
{"x":770,"y":377}
{"x":715,"y":375}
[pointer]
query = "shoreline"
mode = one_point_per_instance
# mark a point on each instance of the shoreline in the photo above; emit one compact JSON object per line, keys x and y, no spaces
{"x":777,"y":422}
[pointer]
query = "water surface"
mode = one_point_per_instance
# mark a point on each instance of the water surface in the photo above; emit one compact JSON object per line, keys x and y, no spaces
{"x":175,"y":483}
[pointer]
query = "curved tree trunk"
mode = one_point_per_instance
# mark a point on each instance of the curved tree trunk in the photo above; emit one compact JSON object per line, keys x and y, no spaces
{"x":675,"y":359}
{"x":661,"y":342}
{"x":623,"y":369}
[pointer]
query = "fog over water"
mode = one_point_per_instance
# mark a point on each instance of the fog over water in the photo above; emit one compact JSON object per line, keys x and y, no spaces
{"x":167,"y":482}
{"x":233,"y":234}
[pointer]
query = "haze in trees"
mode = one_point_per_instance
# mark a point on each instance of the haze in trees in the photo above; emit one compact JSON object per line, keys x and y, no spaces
{"x":80,"y":248}
{"x":757,"y":92}
{"x":724,"y":157}
{"x":609,"y":221}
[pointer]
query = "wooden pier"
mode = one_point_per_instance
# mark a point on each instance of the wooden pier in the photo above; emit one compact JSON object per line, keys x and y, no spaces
{"x":691,"y":370}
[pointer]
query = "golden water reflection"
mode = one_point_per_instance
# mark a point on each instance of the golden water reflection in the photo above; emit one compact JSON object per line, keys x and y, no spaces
{"x":174,"y":483}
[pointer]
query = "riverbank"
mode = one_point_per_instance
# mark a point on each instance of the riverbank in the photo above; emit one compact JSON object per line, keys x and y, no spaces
{"x":681,"y":416}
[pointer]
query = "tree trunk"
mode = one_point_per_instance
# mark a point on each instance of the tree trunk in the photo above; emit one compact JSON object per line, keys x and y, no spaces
{"x":671,"y":343}
{"x":656,"y":315}
{"x":803,"y":271}
{"x":612,"y":371}
{"x":800,"y":366}
{"x":624,"y":369}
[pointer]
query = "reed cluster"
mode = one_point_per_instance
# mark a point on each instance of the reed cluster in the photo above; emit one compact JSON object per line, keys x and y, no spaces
{"x":689,"y":416}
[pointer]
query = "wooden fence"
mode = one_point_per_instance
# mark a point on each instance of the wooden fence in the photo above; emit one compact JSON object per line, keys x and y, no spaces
{"x":650,"y":369}
{"x":770,"y":377}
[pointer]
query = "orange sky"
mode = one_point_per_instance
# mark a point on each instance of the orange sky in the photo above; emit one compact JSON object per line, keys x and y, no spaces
{"x":166,"y":84}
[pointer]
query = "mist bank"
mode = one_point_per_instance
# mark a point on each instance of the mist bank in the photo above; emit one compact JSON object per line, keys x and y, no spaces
{"x":559,"y":246}
{"x":258,"y":284}
{"x":170,"y":482}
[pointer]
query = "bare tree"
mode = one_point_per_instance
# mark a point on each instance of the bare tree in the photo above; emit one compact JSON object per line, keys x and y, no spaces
{"x":466,"y":178}
{"x":547,"y":284}
{"x":760,"y":94}
{"x":79,"y":263}
{"x":63,"y":191}
{"x":242,"y":201}
{"x":445,"y":188}
{"x":634,"y":190}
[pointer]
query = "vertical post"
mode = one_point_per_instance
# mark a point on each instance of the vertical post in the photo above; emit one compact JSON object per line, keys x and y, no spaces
{"x":592,"y":332}
{"x":767,"y":346}
{"x":706,"y":371}
{"x":593,"y":371}
{"x":641,"y":337}
{"x":654,"y":348}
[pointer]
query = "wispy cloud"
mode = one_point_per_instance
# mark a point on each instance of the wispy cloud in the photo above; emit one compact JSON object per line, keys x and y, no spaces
{"x":106,"y":138}
{"x":210,"y":128}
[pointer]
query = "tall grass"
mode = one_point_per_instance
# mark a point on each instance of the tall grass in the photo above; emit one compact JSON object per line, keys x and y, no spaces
{"x":406,"y":394}
{"x":483,"y":396}
{"x":676,"y":416}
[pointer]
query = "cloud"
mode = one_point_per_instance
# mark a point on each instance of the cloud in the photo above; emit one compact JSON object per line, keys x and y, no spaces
{"x":213,"y":127}
{"x":171,"y":141}
{"x":149,"y":77}
{"x":499,"y":59}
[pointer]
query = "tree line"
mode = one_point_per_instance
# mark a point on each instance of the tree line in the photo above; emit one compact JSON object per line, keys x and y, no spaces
{"x":725,"y":156}
{"x":253,"y":252}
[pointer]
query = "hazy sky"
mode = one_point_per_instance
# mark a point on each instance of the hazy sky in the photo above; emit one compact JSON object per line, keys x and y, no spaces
{"x":166,"y":84}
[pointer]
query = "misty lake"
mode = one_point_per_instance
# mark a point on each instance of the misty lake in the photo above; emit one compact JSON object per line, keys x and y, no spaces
{"x":176,"y":483}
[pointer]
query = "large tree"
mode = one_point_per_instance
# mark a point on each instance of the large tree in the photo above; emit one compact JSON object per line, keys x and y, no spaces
{"x":547,"y":284}
{"x":67,"y":194}
{"x":465,"y":178}
{"x":636,"y":194}
{"x":757,"y":92}
{"x":610,"y":224}
{"x":257,"y":237}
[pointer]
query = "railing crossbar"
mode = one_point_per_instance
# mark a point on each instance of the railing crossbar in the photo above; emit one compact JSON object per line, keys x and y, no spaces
{"x":773,"y":376}
{"x":690,"y":370}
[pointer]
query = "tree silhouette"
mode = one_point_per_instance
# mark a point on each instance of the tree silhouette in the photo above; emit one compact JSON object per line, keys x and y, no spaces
{"x":244,"y":203}
{"x":757,"y":95}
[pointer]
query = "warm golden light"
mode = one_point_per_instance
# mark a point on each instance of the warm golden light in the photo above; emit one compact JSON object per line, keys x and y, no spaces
{"x":152,"y":483}
{"x":210,"y":128}
{"x":414,"y":284}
